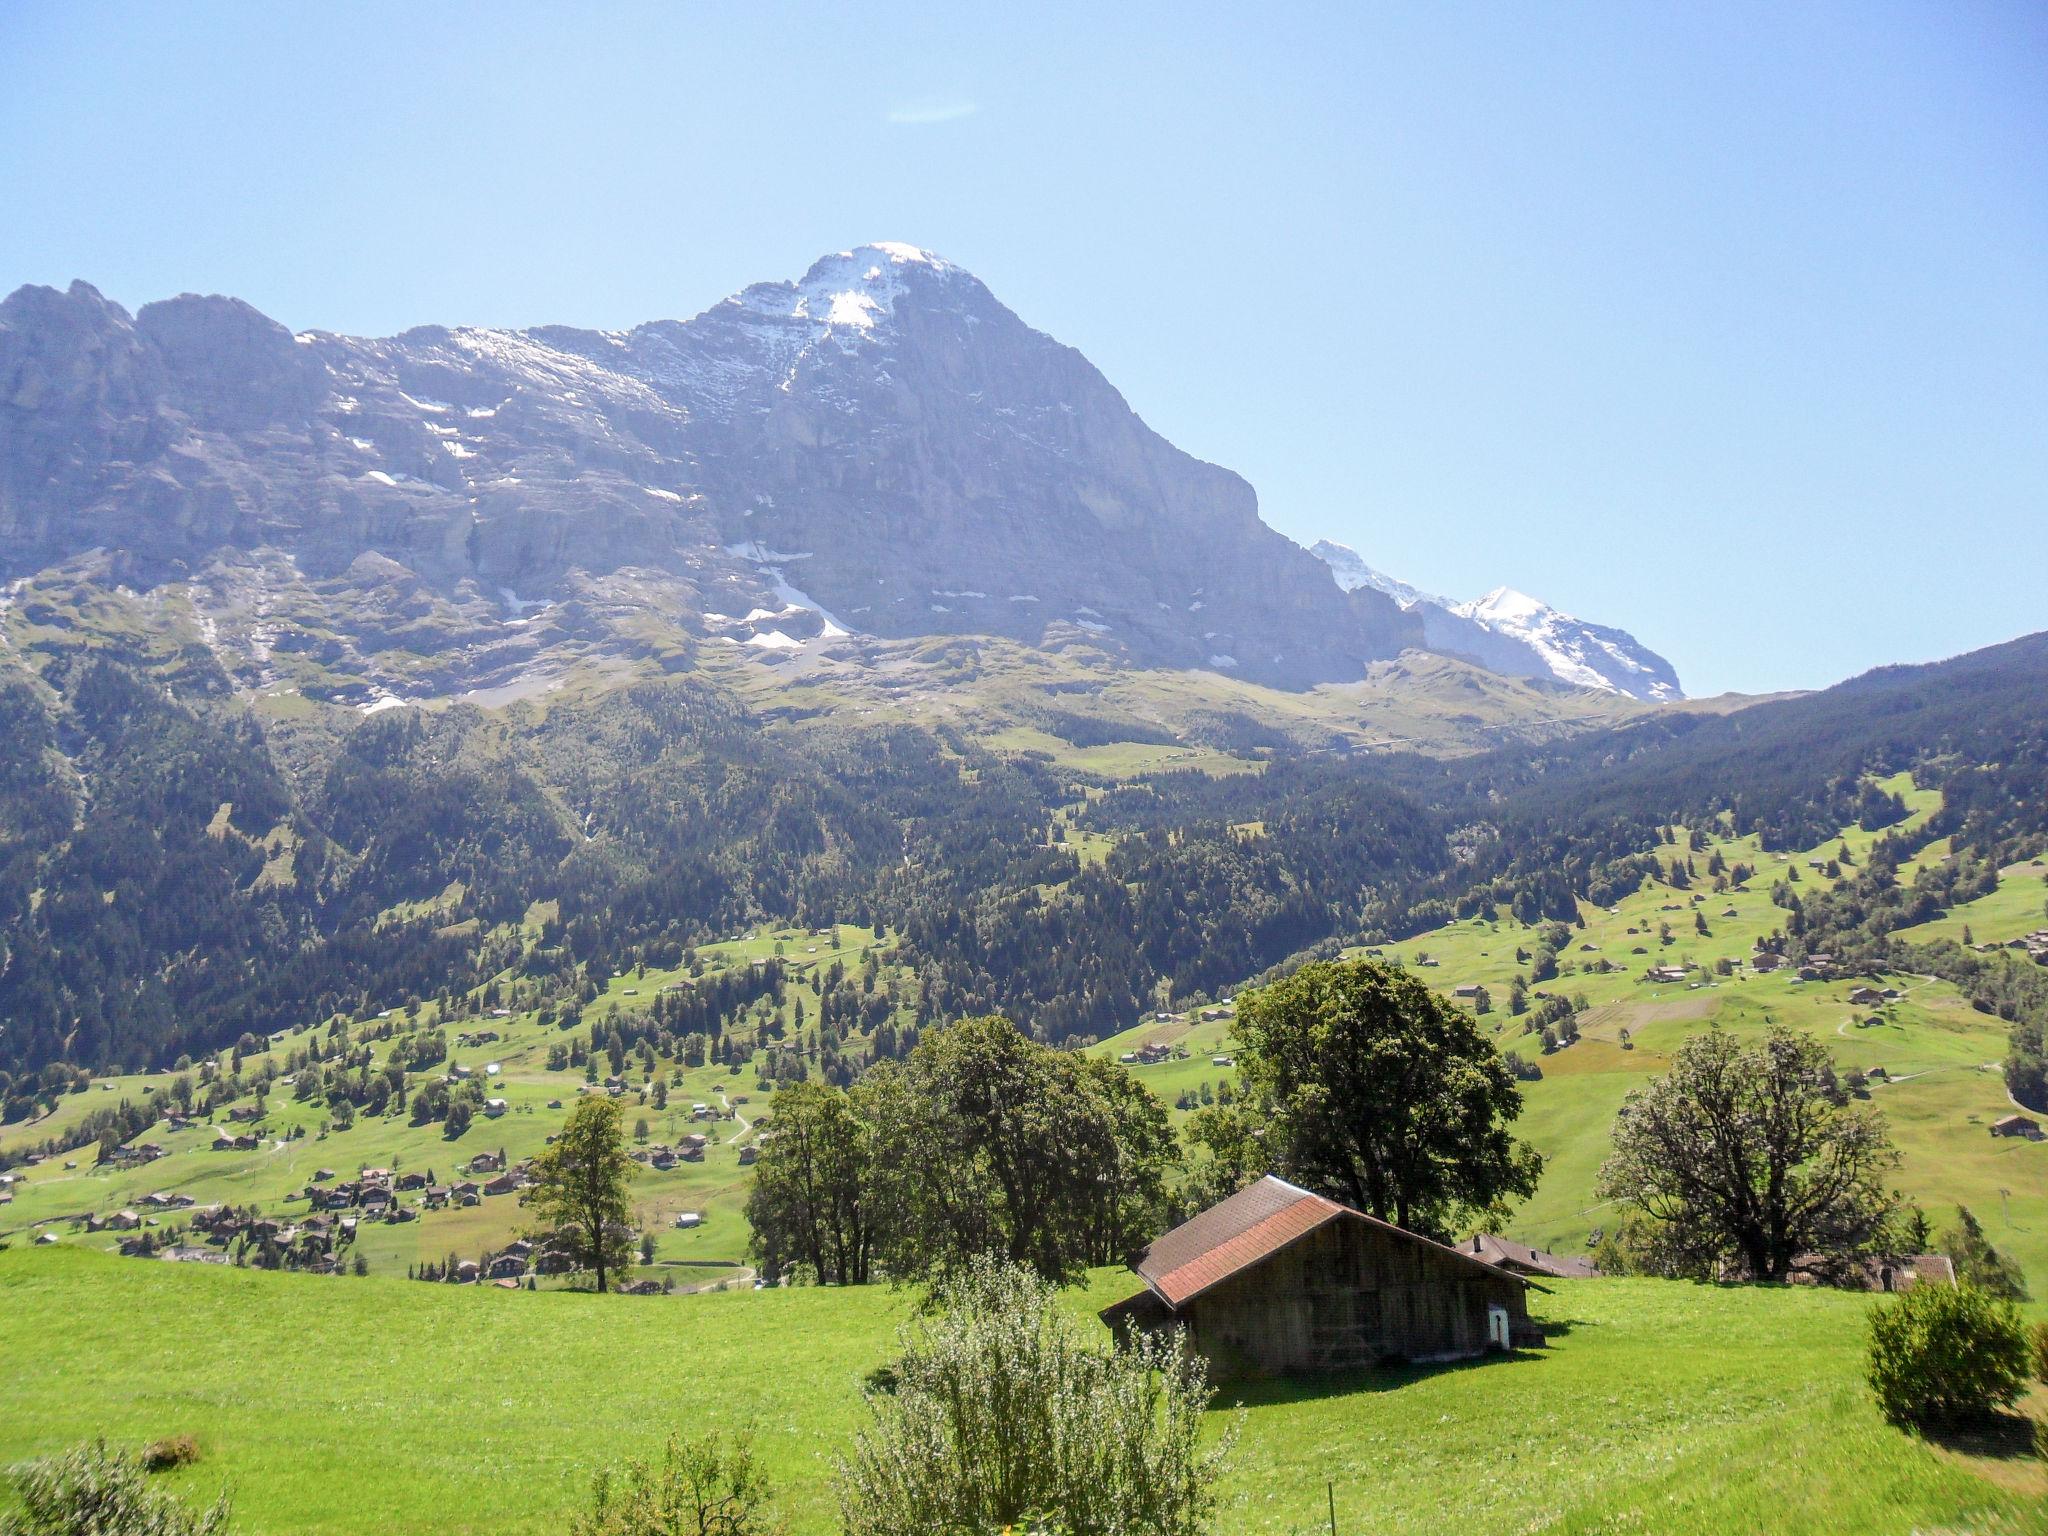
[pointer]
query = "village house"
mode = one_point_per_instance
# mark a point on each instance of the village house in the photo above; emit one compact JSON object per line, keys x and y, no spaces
{"x":1521,"y":1259}
{"x":507,"y":1266}
{"x":1664,"y":973}
{"x":185,"y":1253}
{"x":1866,"y":997}
{"x":487,"y":1162}
{"x":437,"y":1196}
{"x":749,"y":1156}
{"x":505,"y":1183}
{"x":412,"y":1180}
{"x":2017,"y":1125}
{"x":1279,"y":1280}
{"x":468,"y":1192}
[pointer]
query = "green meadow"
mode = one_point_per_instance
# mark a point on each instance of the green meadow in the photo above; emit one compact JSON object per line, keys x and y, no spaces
{"x":1941,"y":1090}
{"x":370,"y":1405}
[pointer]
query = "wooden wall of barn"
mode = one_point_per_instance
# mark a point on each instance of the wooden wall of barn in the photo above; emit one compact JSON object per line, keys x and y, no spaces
{"x":1353,"y":1295}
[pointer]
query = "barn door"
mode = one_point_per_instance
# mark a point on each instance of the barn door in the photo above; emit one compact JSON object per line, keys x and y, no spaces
{"x":1497,"y":1327}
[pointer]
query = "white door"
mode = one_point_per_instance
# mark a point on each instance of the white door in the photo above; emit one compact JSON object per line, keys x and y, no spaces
{"x":1497,"y":1327}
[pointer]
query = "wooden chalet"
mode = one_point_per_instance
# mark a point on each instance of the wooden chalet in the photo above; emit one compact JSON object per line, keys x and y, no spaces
{"x":1280,"y":1281}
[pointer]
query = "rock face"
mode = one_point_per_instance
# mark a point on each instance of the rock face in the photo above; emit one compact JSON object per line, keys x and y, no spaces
{"x":1512,"y":633}
{"x":878,"y":447}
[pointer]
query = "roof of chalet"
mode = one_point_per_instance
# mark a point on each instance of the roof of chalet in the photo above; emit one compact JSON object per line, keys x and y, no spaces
{"x":1498,"y":1250}
{"x":1247,"y":1229}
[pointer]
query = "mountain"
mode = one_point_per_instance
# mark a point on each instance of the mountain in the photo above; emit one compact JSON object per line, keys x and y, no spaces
{"x":878,"y":449}
{"x":1512,"y":633}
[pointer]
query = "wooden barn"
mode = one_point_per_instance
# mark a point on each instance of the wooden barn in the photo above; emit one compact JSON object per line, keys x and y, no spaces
{"x":1279,"y":1281}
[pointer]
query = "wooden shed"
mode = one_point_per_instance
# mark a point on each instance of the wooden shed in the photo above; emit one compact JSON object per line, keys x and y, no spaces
{"x":1281,"y":1281}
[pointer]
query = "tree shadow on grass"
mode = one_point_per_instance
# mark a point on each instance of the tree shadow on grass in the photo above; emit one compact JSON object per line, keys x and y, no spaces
{"x":1996,"y":1437}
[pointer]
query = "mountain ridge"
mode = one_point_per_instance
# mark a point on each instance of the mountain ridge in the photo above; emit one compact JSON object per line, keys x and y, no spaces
{"x":939,"y":466}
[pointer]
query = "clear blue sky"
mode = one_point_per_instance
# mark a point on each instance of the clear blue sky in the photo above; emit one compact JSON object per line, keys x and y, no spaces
{"x":1727,"y":324}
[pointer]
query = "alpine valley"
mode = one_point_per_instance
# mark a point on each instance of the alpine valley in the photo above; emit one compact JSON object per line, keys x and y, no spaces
{"x":417,"y":752}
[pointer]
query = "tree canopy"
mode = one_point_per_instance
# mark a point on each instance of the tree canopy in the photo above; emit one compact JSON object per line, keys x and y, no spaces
{"x":579,"y":1187}
{"x":1371,"y":1089}
{"x":1752,"y":1154}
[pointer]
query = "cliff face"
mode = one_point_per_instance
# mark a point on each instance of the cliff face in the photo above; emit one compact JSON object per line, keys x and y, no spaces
{"x":879,"y":447}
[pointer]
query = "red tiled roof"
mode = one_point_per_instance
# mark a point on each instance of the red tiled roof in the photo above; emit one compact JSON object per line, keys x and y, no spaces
{"x":1260,"y":1241}
{"x":1249,"y":1228}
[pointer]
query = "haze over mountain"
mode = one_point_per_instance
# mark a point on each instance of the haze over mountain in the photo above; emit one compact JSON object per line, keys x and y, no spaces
{"x":1512,"y":633}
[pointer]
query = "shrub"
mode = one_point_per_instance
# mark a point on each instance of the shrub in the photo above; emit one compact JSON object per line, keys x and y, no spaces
{"x":2038,"y":1339}
{"x":1004,"y":1414}
{"x":173,"y":1451}
{"x":1946,"y":1354}
{"x":705,"y":1486}
{"x":92,"y":1491}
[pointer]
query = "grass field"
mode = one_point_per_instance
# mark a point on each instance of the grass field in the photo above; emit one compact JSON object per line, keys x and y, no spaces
{"x":371,"y":1406}
{"x":2019,"y":905}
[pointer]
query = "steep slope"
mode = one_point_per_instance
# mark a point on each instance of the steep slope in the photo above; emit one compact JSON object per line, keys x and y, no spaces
{"x":880,"y":447}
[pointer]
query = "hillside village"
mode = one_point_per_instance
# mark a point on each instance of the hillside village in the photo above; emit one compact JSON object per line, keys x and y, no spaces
{"x":242,"y":1159}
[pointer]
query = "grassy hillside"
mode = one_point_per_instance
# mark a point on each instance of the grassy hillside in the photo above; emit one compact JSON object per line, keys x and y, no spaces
{"x":300,"y":1138}
{"x":1941,"y":1091}
{"x":346,"y":1405}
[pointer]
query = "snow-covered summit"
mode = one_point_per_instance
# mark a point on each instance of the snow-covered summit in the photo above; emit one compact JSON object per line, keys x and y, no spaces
{"x":1589,"y":655}
{"x":1351,"y":571}
{"x":1510,"y":631}
{"x":850,"y":289}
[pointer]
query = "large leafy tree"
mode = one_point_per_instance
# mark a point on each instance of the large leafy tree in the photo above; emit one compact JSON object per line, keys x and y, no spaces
{"x":997,"y":1145}
{"x":1375,"y":1091}
{"x":815,"y":1199}
{"x":579,"y":1187}
{"x":1751,"y":1153}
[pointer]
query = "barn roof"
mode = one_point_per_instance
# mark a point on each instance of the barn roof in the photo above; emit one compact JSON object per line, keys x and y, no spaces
{"x":1247,"y":1229}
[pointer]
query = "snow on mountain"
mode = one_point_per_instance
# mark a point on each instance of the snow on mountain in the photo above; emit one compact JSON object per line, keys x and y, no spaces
{"x":1511,"y":632}
{"x":1589,"y":655}
{"x":1352,"y":572}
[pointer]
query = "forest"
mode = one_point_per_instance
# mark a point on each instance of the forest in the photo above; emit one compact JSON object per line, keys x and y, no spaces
{"x":177,"y":871}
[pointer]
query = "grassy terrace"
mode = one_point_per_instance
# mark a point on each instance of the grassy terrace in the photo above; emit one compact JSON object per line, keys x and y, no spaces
{"x":371,"y":1405}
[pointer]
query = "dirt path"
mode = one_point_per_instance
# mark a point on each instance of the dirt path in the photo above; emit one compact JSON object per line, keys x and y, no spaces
{"x":738,"y":1119}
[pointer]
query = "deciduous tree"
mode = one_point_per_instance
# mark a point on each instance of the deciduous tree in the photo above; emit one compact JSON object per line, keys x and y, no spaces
{"x":1381,"y":1094}
{"x":1750,"y":1153}
{"x":579,"y":1187}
